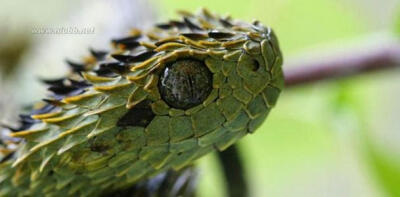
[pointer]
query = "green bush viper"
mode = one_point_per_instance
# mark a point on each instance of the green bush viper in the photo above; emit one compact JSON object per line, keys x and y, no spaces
{"x":158,"y":100}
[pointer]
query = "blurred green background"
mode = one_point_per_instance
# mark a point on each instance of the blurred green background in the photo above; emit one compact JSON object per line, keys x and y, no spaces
{"x":328,"y":139}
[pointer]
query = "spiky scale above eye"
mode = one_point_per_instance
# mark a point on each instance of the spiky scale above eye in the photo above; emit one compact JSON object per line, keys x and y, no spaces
{"x":158,"y":100}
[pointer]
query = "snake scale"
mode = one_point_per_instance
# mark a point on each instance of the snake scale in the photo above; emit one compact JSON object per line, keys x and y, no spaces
{"x":158,"y":100}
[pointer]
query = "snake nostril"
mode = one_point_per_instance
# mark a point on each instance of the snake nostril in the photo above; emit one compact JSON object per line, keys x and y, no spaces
{"x":185,"y":83}
{"x":256,"y":65}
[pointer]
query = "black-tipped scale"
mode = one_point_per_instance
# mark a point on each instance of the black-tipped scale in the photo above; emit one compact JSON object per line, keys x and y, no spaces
{"x":164,"y":26}
{"x":226,"y":23}
{"x":129,"y":42}
{"x":194,"y":36}
{"x":122,"y":58}
{"x":220,"y":35}
{"x":76,"y":67}
{"x":115,"y":67}
{"x":191,"y":25}
{"x":53,"y":82}
{"x":177,"y":24}
{"x":98,"y":54}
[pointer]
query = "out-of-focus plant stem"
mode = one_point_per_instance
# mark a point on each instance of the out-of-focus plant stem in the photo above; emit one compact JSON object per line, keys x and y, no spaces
{"x":345,"y":63}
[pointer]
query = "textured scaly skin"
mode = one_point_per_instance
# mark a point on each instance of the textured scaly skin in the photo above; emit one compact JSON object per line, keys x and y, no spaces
{"x":81,"y":148}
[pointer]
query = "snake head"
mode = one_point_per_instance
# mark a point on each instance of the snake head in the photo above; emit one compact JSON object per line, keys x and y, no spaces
{"x":159,"y":100}
{"x":210,"y":72}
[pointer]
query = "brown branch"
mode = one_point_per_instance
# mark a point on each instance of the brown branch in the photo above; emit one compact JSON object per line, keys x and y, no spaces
{"x":348,"y":62}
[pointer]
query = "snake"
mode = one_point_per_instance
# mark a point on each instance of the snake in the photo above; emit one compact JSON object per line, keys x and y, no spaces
{"x":156,"y":101}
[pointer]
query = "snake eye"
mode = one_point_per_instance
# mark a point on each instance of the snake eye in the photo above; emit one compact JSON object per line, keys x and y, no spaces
{"x":185,"y":83}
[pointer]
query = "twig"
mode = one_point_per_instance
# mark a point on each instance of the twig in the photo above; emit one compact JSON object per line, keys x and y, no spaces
{"x":346,"y":63}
